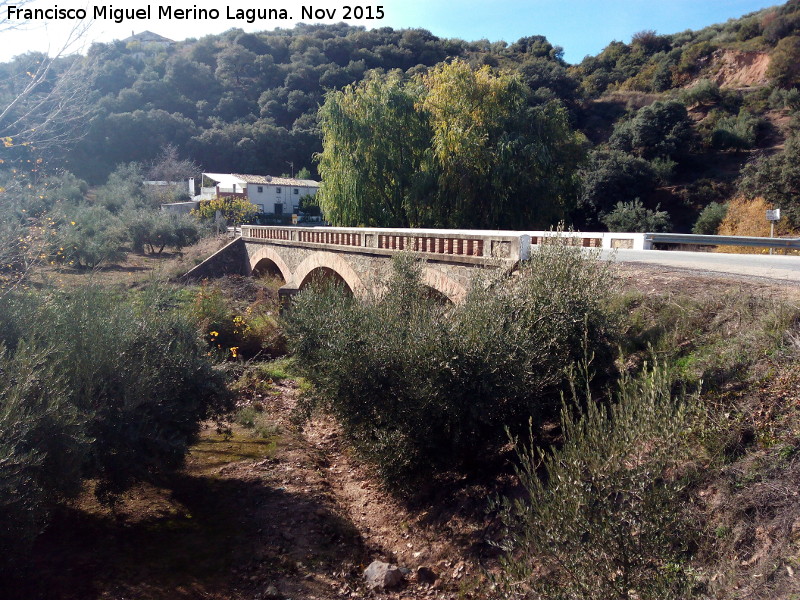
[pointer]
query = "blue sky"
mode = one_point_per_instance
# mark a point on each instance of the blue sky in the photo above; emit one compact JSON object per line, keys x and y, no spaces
{"x":581,"y":27}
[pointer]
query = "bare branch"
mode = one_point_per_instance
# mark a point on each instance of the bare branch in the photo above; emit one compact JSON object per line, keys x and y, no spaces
{"x":46,"y":104}
{"x":5,"y":23}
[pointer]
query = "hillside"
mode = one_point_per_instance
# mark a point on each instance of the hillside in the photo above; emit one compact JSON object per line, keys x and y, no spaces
{"x":242,"y":102}
{"x":737,"y":81}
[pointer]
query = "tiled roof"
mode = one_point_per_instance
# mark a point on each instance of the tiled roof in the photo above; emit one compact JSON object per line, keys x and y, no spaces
{"x":285,"y":181}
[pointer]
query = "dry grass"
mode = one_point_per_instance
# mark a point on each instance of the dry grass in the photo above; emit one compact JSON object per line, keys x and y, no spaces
{"x":741,"y":342}
{"x":134,"y":270}
{"x":748,"y":218}
{"x":751,"y":504}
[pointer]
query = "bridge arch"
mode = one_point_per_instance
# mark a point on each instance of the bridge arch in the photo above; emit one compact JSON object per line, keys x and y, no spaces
{"x":266,"y":253}
{"x":328,"y":261}
{"x":443,"y":284}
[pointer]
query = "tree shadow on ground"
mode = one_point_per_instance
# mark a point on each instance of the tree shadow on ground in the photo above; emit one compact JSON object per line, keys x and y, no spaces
{"x":210,"y":537}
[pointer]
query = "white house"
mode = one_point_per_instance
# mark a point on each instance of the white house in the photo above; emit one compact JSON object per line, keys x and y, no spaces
{"x":274,"y":195}
{"x":145,"y":43}
{"x":148,"y":37}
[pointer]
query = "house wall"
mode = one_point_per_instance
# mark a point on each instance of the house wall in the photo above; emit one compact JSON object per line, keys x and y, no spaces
{"x":180,"y":208}
{"x":269,"y":196}
{"x":231,"y":190}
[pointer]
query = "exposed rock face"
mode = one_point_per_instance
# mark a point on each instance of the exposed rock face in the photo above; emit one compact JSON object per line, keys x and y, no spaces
{"x":736,"y":69}
{"x":382,"y":576}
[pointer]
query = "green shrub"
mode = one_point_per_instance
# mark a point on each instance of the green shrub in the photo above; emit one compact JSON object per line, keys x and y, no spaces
{"x":780,"y":98}
{"x":36,"y":195}
{"x":233,"y":209}
{"x":704,"y":91}
{"x":749,"y":28}
{"x":693,"y":56}
{"x":88,"y":236}
{"x":662,"y":129}
{"x":776,"y":178}
{"x":422,"y":387}
{"x":602,"y":518}
{"x":608,"y":176}
{"x":42,"y":446}
{"x":634,"y":217}
{"x":124,"y":188}
{"x":710,"y":218}
{"x":664,"y":168}
{"x":14,"y":253}
{"x":155,"y":230}
{"x":784,"y":65}
{"x":739,"y":132}
{"x":233,"y":334}
{"x":139,"y":372}
{"x":98,"y":387}
{"x":792,"y":99}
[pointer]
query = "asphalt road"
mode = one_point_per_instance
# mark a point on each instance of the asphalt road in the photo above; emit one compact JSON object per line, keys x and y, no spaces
{"x":781,"y":268}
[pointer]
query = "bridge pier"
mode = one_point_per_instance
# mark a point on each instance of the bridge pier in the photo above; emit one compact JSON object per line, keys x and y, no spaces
{"x":285,"y":295}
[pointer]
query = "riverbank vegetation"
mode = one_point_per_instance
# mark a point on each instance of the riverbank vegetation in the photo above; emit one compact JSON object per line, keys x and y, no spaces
{"x":530,"y":382}
{"x":573,"y":429}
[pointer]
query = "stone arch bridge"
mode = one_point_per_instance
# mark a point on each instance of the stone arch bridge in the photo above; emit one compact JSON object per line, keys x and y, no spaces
{"x":361,"y":257}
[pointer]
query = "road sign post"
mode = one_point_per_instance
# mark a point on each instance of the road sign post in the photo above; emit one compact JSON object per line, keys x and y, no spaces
{"x":772,"y":216}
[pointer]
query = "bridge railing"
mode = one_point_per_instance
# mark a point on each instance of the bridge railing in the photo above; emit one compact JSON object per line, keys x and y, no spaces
{"x":464,"y":244}
{"x":594,"y":239}
{"x":485,"y":244}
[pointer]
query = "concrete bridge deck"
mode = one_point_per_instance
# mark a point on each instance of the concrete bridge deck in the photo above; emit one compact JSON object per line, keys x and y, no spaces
{"x":361,"y":257}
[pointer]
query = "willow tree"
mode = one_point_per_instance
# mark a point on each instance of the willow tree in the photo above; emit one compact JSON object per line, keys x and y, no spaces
{"x":501,"y":161}
{"x":468,"y":111}
{"x":455,"y":147}
{"x":373,"y":150}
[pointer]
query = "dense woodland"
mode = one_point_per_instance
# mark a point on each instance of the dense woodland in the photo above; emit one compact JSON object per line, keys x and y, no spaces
{"x":646,"y":133}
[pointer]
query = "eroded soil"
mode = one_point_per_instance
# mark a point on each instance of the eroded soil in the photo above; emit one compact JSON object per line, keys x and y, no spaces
{"x":283,"y":514}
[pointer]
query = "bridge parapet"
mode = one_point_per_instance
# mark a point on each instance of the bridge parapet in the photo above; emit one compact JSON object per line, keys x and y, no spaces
{"x":599,"y":239}
{"x":447,"y":245}
{"x":361,"y":257}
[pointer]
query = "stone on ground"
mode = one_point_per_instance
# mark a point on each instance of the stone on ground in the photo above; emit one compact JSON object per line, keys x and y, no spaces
{"x":382,"y":576}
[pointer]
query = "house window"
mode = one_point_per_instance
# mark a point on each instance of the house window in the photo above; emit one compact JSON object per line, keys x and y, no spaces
{"x":296,"y":191}
{"x":277,"y":190}
{"x":260,"y":189}
{"x":260,"y":208}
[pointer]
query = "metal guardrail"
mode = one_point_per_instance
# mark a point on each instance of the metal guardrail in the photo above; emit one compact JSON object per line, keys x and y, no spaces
{"x":722,"y":240}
